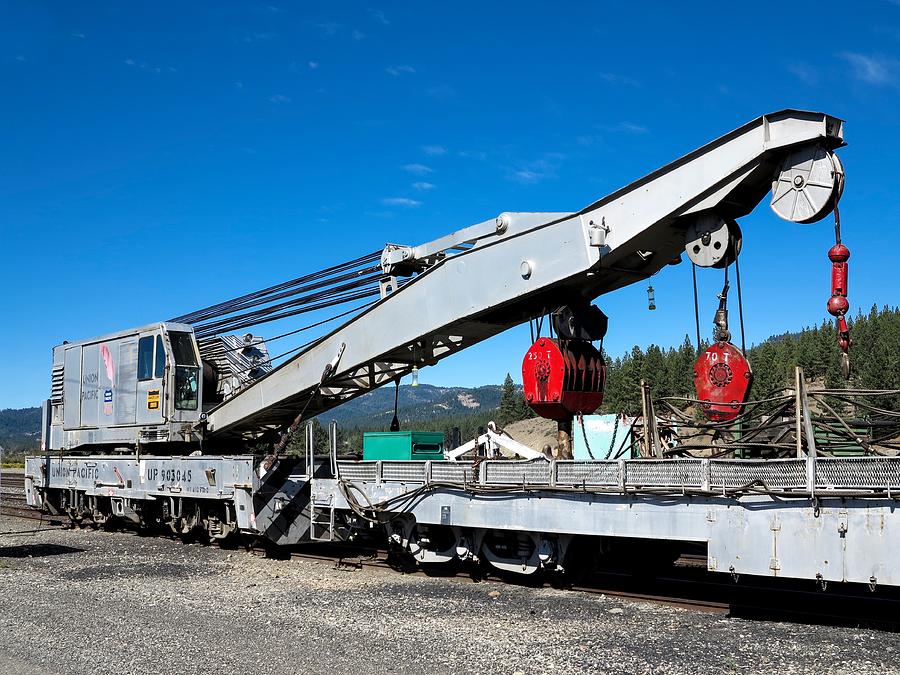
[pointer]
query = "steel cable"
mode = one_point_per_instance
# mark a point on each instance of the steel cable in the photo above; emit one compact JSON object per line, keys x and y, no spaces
{"x":307,"y":304}
{"x":227,"y":306}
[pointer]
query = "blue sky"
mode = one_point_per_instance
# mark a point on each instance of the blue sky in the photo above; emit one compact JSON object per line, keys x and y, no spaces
{"x":159,"y":157}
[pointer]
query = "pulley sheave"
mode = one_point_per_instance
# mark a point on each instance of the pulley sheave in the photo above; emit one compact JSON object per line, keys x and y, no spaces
{"x":713,"y":241}
{"x":809,"y":183}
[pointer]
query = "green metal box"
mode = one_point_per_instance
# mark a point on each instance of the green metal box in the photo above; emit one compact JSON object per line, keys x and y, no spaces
{"x":403,"y":445}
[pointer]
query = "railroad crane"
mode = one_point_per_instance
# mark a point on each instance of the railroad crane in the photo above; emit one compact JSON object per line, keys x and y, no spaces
{"x":161,"y":425}
{"x":172,"y":386}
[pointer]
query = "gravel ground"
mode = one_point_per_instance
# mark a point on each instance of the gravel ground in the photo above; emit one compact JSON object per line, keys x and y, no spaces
{"x":86,"y":602}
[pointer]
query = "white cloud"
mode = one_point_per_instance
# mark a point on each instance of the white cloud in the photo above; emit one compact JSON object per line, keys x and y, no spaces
{"x":803,"y":72}
{"x":143,"y":65}
{"x":422,"y":185}
{"x":871,"y":69}
{"x":633,"y":128}
{"x":238,"y":85}
{"x":604,"y":131}
{"x":472,"y":154}
{"x":418,"y":169}
{"x":526,"y":176}
{"x":400,"y":201}
{"x":357,"y":34}
{"x":259,"y":37}
{"x":379,"y":16}
{"x":619,"y":80}
{"x":624,"y":127}
{"x":328,"y":28}
{"x":537,"y":170}
{"x":280,"y":98}
{"x":79,"y":35}
{"x":313,"y":65}
{"x":434,"y":149}
{"x":399,"y":70}
{"x":442,"y":92}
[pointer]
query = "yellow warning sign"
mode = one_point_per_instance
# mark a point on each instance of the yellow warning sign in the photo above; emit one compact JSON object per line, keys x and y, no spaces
{"x":153,"y":399}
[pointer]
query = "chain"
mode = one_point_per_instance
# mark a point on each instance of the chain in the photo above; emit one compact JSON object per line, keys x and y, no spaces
{"x":612,"y":442}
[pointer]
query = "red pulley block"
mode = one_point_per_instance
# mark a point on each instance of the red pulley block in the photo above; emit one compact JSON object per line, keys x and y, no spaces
{"x":722,"y":378}
{"x":563,"y":377}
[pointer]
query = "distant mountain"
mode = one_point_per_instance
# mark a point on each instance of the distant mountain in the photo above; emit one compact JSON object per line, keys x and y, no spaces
{"x":425,"y":401}
{"x":20,"y":429}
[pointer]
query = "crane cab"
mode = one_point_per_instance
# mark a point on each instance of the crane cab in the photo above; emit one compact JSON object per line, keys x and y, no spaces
{"x":125,"y":389}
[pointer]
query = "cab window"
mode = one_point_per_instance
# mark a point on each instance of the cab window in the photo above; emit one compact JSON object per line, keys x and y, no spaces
{"x":183,"y":349}
{"x":187,"y":374}
{"x":145,"y":358}
{"x":186,"y":388}
{"x":160,"y":357}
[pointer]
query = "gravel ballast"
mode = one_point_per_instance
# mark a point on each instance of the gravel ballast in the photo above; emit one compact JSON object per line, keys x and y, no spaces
{"x":84,"y":602}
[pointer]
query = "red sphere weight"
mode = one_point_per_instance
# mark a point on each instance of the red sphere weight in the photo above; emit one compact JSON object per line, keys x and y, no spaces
{"x":838,"y":305}
{"x":839,"y":253}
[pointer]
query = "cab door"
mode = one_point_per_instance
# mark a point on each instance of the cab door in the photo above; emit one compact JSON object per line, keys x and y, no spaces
{"x":151,"y":370}
{"x":185,"y":379}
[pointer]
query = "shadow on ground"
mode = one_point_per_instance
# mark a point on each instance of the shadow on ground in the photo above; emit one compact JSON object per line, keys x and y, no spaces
{"x":37,"y":550}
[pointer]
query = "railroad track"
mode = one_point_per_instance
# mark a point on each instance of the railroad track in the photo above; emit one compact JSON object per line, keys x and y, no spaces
{"x":688,"y":585}
{"x":12,"y":496}
{"x":380,"y":560}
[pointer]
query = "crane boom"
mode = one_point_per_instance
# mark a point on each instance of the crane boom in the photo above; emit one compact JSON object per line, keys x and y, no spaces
{"x":444,"y":296}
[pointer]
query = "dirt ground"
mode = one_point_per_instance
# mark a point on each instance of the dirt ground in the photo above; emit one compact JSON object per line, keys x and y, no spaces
{"x":79,"y":601}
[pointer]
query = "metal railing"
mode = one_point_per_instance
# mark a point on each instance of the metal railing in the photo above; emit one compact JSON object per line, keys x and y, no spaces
{"x":809,"y":475}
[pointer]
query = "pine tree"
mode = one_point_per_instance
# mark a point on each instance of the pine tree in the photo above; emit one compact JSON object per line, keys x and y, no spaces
{"x":523,"y":410}
{"x":765,"y":375}
{"x":681,"y":369}
{"x":653,"y":371}
{"x":509,"y":405}
{"x":629,"y":400}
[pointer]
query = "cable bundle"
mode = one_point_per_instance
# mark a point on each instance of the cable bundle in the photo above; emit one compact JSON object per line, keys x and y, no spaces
{"x":347,"y":282}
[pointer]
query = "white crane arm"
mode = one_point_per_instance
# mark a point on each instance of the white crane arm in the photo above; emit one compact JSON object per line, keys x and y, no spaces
{"x":484,"y":279}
